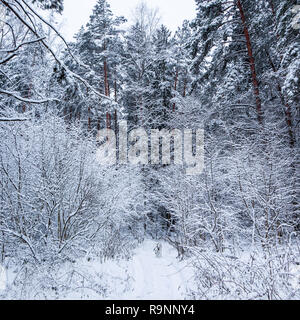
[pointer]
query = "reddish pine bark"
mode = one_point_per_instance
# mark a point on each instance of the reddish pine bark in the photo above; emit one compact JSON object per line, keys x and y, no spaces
{"x":108,"y":120}
{"x":89,"y":119}
{"x":252,"y":63}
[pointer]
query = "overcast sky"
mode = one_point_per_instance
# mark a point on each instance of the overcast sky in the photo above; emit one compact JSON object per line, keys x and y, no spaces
{"x":173,"y":12}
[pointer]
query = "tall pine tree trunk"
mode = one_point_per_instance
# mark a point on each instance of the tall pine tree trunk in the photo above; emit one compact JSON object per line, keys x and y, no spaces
{"x":116,"y":93}
{"x":116,"y":121}
{"x":106,"y":86}
{"x":108,"y":120}
{"x":175,"y":87}
{"x":252,"y":63}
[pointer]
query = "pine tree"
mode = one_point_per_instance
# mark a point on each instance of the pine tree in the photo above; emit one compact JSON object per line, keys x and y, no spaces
{"x":182,"y":56}
{"x":100,"y":49}
{"x":137,"y":61}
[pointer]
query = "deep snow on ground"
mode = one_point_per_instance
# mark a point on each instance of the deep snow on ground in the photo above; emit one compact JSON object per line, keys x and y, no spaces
{"x":143,"y":277}
{"x":158,"y":278}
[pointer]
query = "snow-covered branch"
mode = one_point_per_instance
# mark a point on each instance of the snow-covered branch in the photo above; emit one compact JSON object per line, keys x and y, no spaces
{"x":13,"y":119}
{"x":16,"y":96}
{"x":21,"y":45}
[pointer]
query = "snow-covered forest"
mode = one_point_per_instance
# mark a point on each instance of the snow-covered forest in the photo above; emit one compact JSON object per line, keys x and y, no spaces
{"x":73,"y":228}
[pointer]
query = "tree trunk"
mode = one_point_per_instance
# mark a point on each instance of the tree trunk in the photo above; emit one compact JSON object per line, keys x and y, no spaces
{"x":175,"y":87}
{"x":108,"y":120}
{"x":89,"y":119}
{"x":116,"y":121}
{"x":252,"y":63}
{"x":115,"y":87}
{"x":106,"y":86}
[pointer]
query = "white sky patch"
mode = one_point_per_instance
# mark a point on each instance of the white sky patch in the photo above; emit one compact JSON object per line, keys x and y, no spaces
{"x":173,"y":12}
{"x":2,"y":278}
{"x":2,"y":16}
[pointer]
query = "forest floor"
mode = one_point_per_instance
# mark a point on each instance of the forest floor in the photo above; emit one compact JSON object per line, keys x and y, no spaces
{"x":142,"y":277}
{"x":163,"y":278}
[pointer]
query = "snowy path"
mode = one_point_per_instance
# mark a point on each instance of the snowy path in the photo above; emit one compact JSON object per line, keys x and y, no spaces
{"x":144,"y":277}
{"x":157,"y":278}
